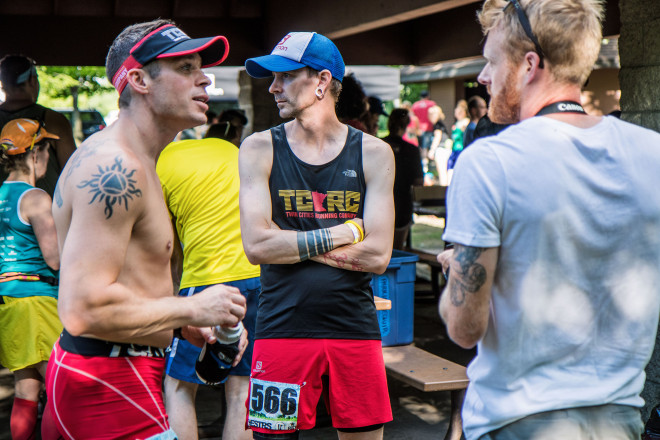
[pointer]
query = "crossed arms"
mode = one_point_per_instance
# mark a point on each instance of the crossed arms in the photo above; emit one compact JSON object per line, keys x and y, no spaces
{"x":265,"y":242}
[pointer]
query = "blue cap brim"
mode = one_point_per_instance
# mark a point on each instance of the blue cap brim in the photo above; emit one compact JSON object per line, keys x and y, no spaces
{"x":263,"y":67}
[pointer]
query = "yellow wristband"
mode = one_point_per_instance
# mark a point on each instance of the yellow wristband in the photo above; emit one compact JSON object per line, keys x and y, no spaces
{"x":358,"y":233}
{"x":355,"y":231}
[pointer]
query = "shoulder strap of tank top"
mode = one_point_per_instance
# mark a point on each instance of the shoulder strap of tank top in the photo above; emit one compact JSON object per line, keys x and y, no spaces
{"x":354,"y":140}
{"x":354,"y":135}
{"x":279,"y":136}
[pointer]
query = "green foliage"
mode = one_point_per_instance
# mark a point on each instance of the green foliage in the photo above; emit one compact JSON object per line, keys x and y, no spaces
{"x":103,"y":102}
{"x":94,"y":89}
{"x":57,"y":81}
{"x":382,"y":120}
{"x":412,"y":91}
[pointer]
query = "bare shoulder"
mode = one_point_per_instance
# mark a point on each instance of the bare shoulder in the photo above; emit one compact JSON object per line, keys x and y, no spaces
{"x":371,"y":144}
{"x":256,"y":151}
{"x":103,"y":176}
{"x":35,"y":200}
{"x":257,"y":141}
{"x":379,"y":153}
{"x":99,"y":152}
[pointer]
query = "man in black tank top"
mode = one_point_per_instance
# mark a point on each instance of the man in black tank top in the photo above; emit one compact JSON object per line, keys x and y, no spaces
{"x":18,"y":75}
{"x":317,"y":213}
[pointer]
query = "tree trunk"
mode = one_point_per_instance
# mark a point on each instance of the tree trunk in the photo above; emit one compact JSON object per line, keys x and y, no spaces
{"x":76,"y":122}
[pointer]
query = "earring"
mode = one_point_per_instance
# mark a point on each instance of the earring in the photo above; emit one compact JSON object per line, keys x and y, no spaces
{"x":319,"y":93}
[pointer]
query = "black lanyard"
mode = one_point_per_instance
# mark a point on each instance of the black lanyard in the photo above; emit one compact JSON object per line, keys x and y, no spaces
{"x":562,"y":107}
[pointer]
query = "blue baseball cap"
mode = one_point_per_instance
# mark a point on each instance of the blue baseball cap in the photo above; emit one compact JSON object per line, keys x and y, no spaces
{"x":295,"y":51}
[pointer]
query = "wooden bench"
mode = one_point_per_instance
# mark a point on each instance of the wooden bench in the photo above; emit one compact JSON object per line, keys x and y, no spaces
{"x":429,"y":200}
{"x":382,"y":303}
{"x":428,"y":372}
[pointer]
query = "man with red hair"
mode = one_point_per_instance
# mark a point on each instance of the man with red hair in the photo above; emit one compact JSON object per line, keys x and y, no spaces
{"x":555,"y":272}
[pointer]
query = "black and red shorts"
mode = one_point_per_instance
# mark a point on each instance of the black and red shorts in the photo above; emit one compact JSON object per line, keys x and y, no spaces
{"x":289,"y":376}
{"x":108,"y":396}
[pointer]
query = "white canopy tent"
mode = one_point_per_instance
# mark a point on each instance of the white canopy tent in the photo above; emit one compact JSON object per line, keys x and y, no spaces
{"x":380,"y":81}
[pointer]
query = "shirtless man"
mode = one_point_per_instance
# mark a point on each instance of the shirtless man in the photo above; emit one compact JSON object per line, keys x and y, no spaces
{"x":307,"y":189}
{"x":116,"y":301}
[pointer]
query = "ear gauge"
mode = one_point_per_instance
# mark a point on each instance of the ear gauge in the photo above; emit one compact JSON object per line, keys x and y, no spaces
{"x":319,"y":93}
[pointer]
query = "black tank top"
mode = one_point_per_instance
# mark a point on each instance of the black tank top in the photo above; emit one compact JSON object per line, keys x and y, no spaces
{"x":309,"y":299}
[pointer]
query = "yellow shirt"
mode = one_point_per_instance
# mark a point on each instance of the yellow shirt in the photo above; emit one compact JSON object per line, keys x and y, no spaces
{"x":200,"y":184}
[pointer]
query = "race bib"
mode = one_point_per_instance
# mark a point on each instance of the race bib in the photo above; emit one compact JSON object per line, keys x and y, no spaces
{"x":167,"y":435}
{"x":273,"y":405}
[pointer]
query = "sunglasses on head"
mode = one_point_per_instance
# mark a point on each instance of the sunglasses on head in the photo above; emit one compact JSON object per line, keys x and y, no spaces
{"x":32,"y":71}
{"x":524,"y":22}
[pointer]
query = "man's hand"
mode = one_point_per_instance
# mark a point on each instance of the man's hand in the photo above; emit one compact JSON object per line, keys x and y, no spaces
{"x":444,"y":258}
{"x":242,"y":345}
{"x":197,"y":336}
{"x":219,"y":305}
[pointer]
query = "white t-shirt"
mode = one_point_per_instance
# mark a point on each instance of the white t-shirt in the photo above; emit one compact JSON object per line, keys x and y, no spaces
{"x":576,"y":295}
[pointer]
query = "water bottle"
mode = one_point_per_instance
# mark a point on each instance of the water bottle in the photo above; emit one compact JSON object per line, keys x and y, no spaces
{"x":214,"y":361}
{"x":652,"y":428}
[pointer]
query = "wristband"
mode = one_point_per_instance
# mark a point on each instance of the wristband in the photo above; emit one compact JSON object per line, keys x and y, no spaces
{"x":358,"y":233}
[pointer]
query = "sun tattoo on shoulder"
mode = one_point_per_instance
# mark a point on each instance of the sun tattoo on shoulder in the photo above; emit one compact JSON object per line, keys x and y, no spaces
{"x":113,"y":185}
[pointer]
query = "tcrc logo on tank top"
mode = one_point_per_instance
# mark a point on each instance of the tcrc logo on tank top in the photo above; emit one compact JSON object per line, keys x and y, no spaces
{"x":311,"y":204}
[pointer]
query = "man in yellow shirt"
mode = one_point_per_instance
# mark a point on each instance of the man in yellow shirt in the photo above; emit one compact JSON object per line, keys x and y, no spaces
{"x":200,"y":184}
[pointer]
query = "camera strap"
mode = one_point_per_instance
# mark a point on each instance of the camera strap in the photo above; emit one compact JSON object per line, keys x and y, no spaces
{"x":562,"y":107}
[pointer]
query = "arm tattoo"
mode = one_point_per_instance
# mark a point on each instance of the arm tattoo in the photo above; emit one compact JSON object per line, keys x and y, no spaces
{"x":313,"y":243}
{"x":472,"y":274}
{"x":79,"y":155}
{"x":58,"y":196}
{"x":112,"y":184}
{"x":341,"y":259}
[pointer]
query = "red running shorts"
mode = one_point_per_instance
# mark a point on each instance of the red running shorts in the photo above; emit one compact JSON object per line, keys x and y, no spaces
{"x":289,"y":376}
{"x":96,"y":397}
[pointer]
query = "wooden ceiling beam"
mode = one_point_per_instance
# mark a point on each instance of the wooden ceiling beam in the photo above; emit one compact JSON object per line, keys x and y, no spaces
{"x":343,"y":18}
{"x":71,"y":32}
{"x":68,"y":45}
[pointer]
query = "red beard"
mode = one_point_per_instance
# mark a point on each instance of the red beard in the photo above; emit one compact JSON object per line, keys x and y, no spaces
{"x":505,"y":106}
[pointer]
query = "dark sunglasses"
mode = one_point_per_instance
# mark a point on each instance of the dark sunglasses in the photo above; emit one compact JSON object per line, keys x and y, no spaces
{"x":524,"y":22}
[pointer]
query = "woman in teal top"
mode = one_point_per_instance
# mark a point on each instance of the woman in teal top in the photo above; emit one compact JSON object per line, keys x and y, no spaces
{"x":29,"y":261}
{"x":458,"y":134}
